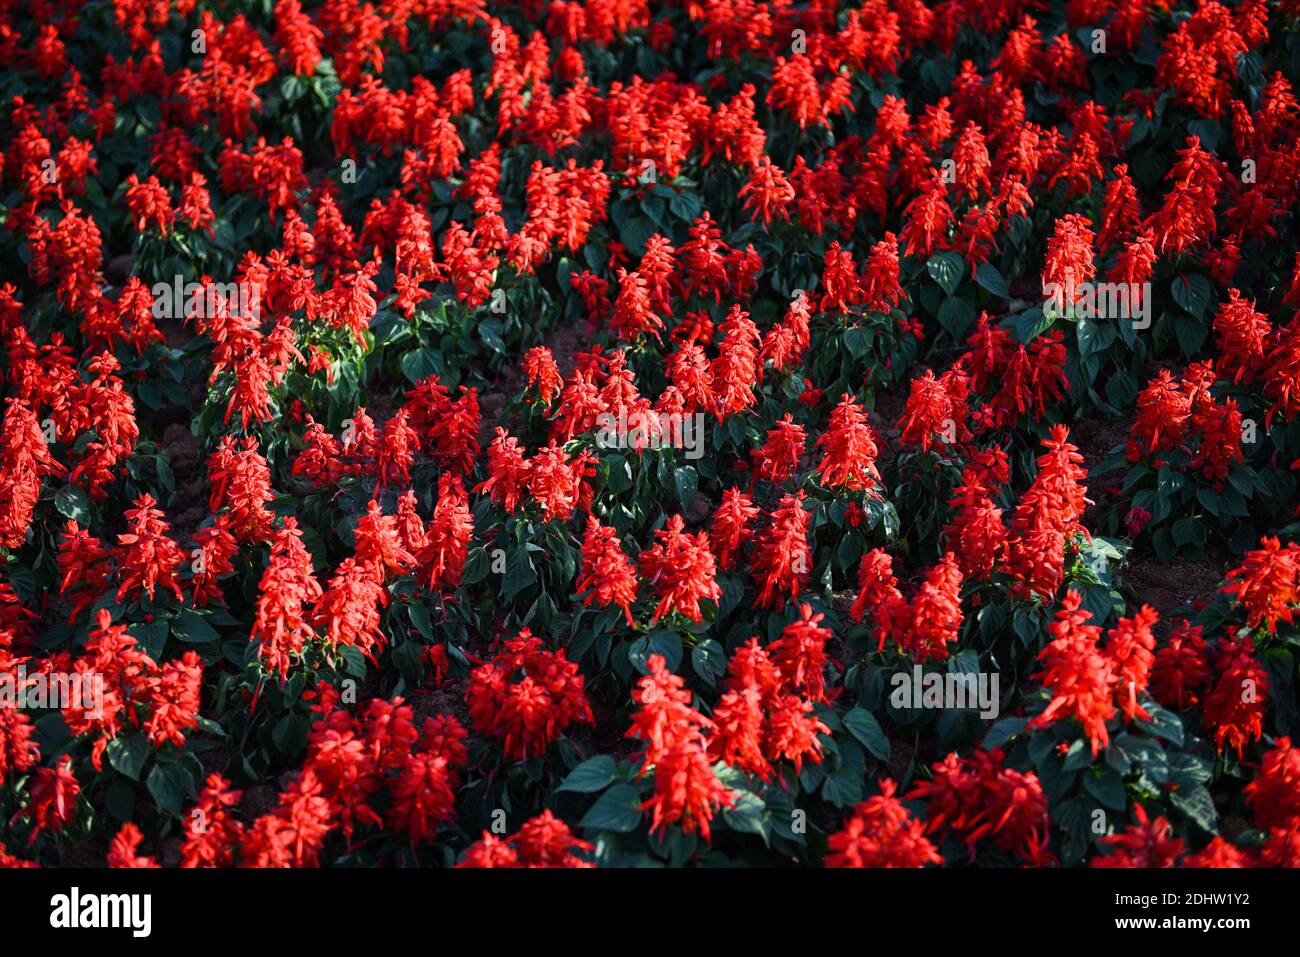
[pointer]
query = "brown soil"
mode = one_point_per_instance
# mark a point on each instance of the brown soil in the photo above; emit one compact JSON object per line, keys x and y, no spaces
{"x":257,"y":800}
{"x":890,"y":403}
{"x":446,"y":698}
{"x":565,"y":342}
{"x":901,"y":754}
{"x":1168,"y":587}
{"x":1096,"y":438}
{"x":184,"y":452}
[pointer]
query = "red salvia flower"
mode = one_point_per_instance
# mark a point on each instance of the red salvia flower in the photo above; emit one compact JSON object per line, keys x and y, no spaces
{"x":922,"y":628}
{"x":543,"y":841}
{"x":768,"y":193}
{"x":686,"y":791}
{"x":122,"y":852}
{"x":976,"y":535}
{"x":555,"y":481}
{"x":736,"y":368}
{"x":447,"y":544}
{"x":53,"y":794}
{"x":782,"y":562}
{"x":1076,"y":672}
{"x":1242,"y":336}
{"x":1274,"y":795}
{"x":527,"y":697}
{"x":212,"y":832}
{"x":800,"y":655}
{"x":1267,"y":583}
{"x":607,"y":573}
{"x":1218,"y":853}
{"x":1234,"y":705}
{"x":732,"y":525}
{"x":881,"y":832}
{"x":1163,"y":416}
{"x":779,"y":456}
{"x":1130,"y":645}
{"x":19,"y":751}
{"x":849,"y":449}
{"x":877,"y":589}
{"x":146,"y":557}
{"x":241,"y":483}
{"x":286,"y":593}
{"x":349,"y":611}
{"x":1145,"y":843}
{"x":543,"y":374}
{"x":1180,"y":668}
{"x":840,"y":281}
{"x":507,"y":471}
{"x":978,"y":799}
{"x":680,"y":568}
{"x":928,"y":416}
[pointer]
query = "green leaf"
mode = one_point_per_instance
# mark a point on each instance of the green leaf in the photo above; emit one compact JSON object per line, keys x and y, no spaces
{"x":119,"y":799}
{"x":290,"y":734}
{"x":748,"y":815}
{"x":1142,"y":754}
{"x":152,"y":636}
{"x":956,"y":315}
{"x":166,"y":785}
{"x":418,"y":364}
{"x":619,"y":478}
{"x":1107,"y":787}
{"x":591,"y":775}
{"x":72,"y":502}
{"x":666,"y":643}
{"x":634,"y":231}
{"x":1077,"y":756}
{"x":862,"y":724}
{"x":490,"y":332}
{"x":856,"y":341}
{"x":618,"y":810}
{"x":1121,"y":390}
{"x":685,"y":206}
{"x":1031,"y":323}
{"x":420,"y":619}
{"x":520,"y":573}
{"x":1192,"y":292}
{"x":1094,"y":337}
{"x":191,"y":627}
{"x":127,"y":755}
{"x":946,"y":269}
{"x":709,"y":661}
{"x":1196,"y":803}
{"x":1191,"y":334}
{"x":1188,"y":770}
{"x":354,"y":661}
{"x":988,"y":276}
{"x":686,"y":481}
{"x":1207,"y":131}
{"x":842,"y":788}
{"x":1003,"y":731}
{"x":408,"y":658}
{"x":1163,"y":724}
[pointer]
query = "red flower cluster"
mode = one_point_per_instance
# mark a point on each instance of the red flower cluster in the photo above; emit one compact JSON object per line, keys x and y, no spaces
{"x":761,"y":717}
{"x":978,"y":799}
{"x":122,"y":690}
{"x":527,"y":696}
{"x":1090,"y":681}
{"x":923,"y":627}
{"x":686,"y":790}
{"x":543,"y":841}
{"x":881,"y":833}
